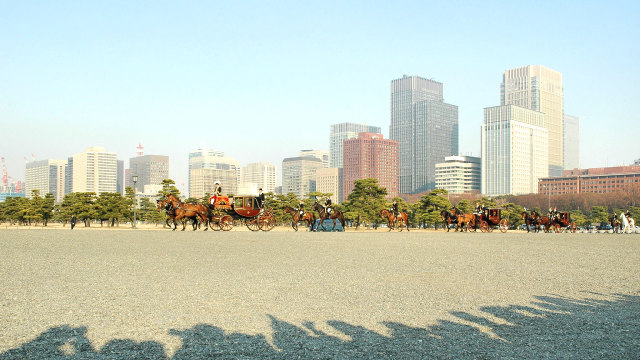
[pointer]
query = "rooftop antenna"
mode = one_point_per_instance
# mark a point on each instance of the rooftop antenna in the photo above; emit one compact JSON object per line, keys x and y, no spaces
{"x":140,"y":149}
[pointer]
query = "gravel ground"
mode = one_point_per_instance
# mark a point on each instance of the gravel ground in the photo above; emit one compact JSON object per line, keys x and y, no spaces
{"x":182,"y":295}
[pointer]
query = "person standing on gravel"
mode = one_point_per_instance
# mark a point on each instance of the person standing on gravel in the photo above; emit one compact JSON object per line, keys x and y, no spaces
{"x":73,"y":221}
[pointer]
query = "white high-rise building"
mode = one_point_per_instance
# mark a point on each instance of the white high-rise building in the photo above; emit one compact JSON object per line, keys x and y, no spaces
{"x":258,"y":175}
{"x":46,"y":176}
{"x":330,"y":181}
{"x":318,"y":154}
{"x":345,"y":131}
{"x":94,"y":170}
{"x":571,"y":135}
{"x":514,"y":150}
{"x":538,"y":88}
{"x":206,"y":167}
{"x":459,"y":174}
{"x":299,"y":175}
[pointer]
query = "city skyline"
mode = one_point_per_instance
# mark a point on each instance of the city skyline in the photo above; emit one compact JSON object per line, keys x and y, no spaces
{"x":175,"y":78}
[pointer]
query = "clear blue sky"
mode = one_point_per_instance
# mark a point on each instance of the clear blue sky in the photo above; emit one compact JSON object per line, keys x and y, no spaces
{"x":262,"y":80}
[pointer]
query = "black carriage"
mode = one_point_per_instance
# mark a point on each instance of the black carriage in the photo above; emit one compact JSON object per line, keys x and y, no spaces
{"x":245,"y":209}
{"x":491,"y":218}
{"x":562,"y":221}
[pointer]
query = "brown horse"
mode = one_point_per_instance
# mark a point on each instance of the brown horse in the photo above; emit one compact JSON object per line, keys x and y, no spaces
{"x":465,"y":218}
{"x":322,"y":215}
{"x":615,"y":222}
{"x":545,"y":222}
{"x":308,"y":217}
{"x":182,"y":210}
{"x":531,"y":220}
{"x":163,"y":204}
{"x":401,"y":220}
{"x":449,"y":218}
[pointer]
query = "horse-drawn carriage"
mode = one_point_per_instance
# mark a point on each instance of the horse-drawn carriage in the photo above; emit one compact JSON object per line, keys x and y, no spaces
{"x":562,"y":221}
{"x":490,"y":219}
{"x":226,"y":210}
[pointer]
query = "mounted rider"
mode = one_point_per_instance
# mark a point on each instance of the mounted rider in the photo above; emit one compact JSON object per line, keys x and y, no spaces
{"x":301,"y":208}
{"x":327,"y":206}
{"x":394,"y":208}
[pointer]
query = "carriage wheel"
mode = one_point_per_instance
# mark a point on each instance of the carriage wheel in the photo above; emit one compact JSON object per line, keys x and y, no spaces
{"x":252,"y":223}
{"x":556,"y":228}
{"x":504,"y":225}
{"x":266,"y":221}
{"x":214,"y":224}
{"x":226,"y":223}
{"x":484,"y":226}
{"x":573,"y":227}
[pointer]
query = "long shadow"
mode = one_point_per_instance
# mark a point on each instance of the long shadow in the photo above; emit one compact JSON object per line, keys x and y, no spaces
{"x":552,"y":327}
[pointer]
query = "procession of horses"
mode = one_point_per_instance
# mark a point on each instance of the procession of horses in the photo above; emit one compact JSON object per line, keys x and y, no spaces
{"x":224,"y":212}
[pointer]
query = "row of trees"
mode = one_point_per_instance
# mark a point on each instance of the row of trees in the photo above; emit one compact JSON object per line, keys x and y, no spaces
{"x":363,"y":205}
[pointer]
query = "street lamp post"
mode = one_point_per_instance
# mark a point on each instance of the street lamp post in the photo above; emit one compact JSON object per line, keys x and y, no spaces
{"x":548,"y":187}
{"x":135,"y":203}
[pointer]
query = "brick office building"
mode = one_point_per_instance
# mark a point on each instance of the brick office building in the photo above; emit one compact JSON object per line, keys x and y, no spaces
{"x":595,"y":180}
{"x":370,"y":156}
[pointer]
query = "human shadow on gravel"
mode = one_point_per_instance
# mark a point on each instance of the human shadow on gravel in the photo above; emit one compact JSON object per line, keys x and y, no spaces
{"x":551,"y":327}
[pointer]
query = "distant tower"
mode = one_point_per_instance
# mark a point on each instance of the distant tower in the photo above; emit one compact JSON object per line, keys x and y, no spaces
{"x":538,"y":88}
{"x":140,"y":150}
{"x":426,"y":129}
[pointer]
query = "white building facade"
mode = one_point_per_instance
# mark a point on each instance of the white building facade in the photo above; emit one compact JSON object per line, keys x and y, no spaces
{"x":345,"y":131}
{"x":208,"y":166}
{"x":47,"y":176}
{"x":459,"y":174}
{"x":258,"y":175}
{"x":538,"y":88}
{"x":330,"y":181}
{"x":318,"y":154}
{"x":514,"y":143}
{"x":299,"y":175}
{"x":94,"y":170}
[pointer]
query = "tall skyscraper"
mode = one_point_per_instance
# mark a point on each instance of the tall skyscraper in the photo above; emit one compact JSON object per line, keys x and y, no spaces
{"x":571,"y":142}
{"x":514,"y":150}
{"x":341,"y":132}
{"x":370,"y":156}
{"x":46,"y":176}
{"x":206,"y":167}
{"x":258,"y":175}
{"x":459,"y":174}
{"x":151,"y":170}
{"x":538,"y":88}
{"x":299,"y":175}
{"x":319,"y":154}
{"x":94,"y":170}
{"x":425,"y":127}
